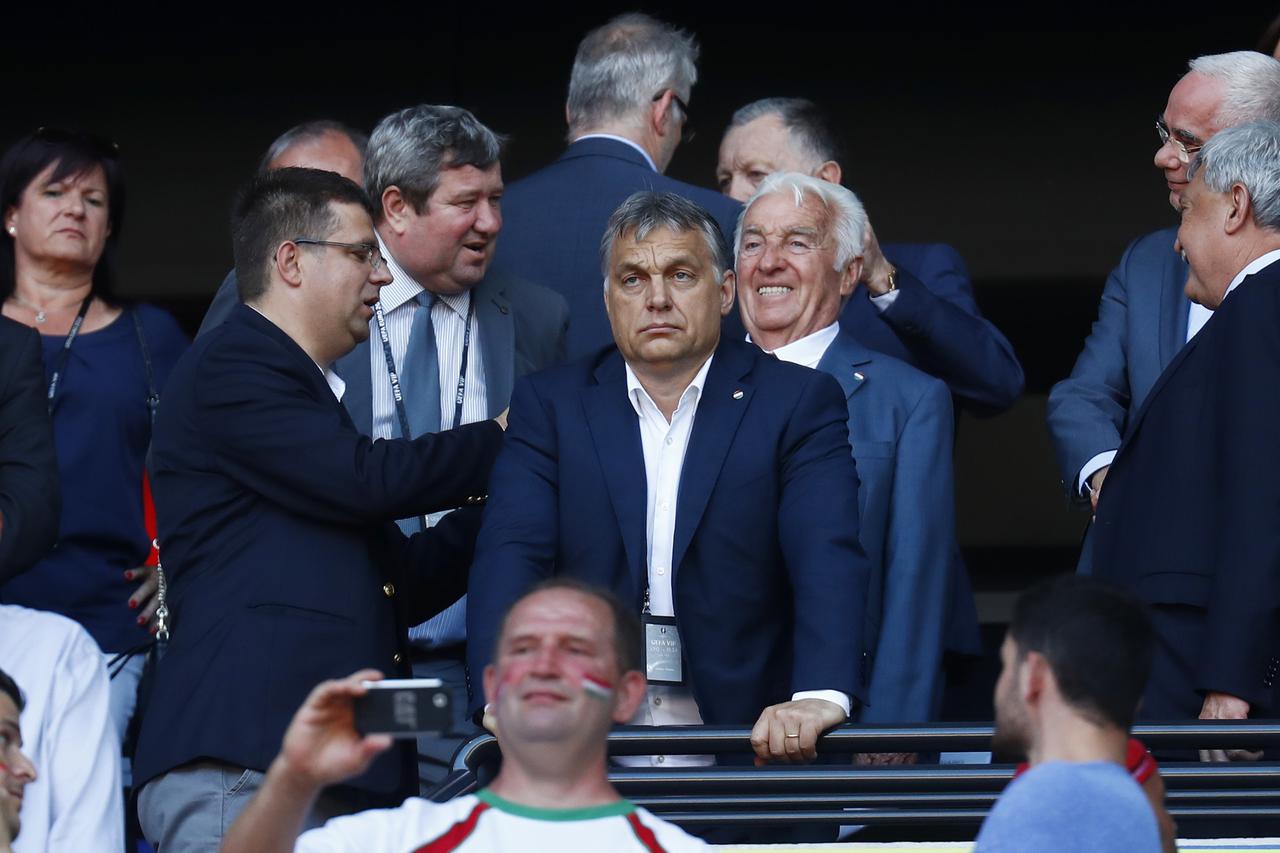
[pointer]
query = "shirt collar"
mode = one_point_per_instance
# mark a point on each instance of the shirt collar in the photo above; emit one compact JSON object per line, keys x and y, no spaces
{"x":808,"y":351}
{"x":623,"y":140}
{"x":636,"y":392}
{"x":1256,"y":265}
{"x":403,"y":286}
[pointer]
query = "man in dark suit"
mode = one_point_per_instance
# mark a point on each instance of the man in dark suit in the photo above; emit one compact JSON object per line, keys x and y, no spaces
{"x":29,"y":505}
{"x":275,"y":516}
{"x":320,"y":144}
{"x":1188,"y":516}
{"x":1144,"y":318}
{"x":706,"y":483}
{"x":916,"y":303}
{"x":799,"y":257}
{"x":628,"y":107}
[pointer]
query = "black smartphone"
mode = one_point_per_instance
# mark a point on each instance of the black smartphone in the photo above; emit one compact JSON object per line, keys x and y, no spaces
{"x":404,"y":708}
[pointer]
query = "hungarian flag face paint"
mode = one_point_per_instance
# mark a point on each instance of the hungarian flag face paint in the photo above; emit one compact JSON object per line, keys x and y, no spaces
{"x":597,"y":688}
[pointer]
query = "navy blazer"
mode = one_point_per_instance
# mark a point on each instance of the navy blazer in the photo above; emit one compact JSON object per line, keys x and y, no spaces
{"x":769,"y":578}
{"x":552,"y":222}
{"x":1188,"y":514}
{"x":900,"y":427}
{"x":284,"y":569}
{"x":1141,"y":326}
{"x":29,"y":504}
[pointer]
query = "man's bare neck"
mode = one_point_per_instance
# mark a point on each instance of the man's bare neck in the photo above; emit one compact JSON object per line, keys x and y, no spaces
{"x":1080,"y":740}
{"x":551,"y":779}
{"x":666,"y":385}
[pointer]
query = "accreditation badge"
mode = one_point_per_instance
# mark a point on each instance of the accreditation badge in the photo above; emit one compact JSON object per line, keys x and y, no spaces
{"x":663,"y":661}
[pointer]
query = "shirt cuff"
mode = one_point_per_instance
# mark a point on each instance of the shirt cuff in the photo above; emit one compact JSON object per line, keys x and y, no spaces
{"x":833,"y":696}
{"x":1091,"y":467}
{"x":884,"y":300}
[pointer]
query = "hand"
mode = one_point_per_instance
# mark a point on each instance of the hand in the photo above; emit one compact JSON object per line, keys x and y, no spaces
{"x":875,"y":266}
{"x":1095,"y":486}
{"x":884,"y":759}
{"x":501,"y":419}
{"x":144,"y":598}
{"x":1224,"y":706}
{"x":321,"y":746}
{"x":803,"y":720}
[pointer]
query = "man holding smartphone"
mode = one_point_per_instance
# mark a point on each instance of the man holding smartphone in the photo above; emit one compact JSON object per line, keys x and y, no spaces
{"x":566,"y":668}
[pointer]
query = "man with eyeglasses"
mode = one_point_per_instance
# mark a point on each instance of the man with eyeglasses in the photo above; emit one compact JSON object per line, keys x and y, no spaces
{"x":1144,"y":318}
{"x":628,"y":110}
{"x":275,"y":517}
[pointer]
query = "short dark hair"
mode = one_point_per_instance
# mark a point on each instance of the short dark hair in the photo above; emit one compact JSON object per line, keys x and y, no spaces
{"x":647,"y":211}
{"x":626,"y":624}
{"x":1097,"y":639}
{"x":803,"y":120}
{"x":9,"y":687}
{"x":76,"y":153}
{"x":307,"y":132}
{"x":281,"y":205}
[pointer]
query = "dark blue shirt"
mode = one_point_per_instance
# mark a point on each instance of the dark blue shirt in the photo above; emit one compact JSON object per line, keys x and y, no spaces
{"x":101,"y":430}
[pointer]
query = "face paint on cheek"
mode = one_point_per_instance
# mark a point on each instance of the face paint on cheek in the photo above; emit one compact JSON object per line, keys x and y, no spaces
{"x":597,"y":688}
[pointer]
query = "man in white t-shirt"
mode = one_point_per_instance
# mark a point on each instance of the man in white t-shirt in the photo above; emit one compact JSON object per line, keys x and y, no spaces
{"x":566,"y":668}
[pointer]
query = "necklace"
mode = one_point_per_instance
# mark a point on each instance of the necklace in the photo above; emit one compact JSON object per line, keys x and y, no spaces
{"x":42,"y":314}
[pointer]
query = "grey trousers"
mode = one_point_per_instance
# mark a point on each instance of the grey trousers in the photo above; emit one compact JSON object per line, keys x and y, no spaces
{"x":190,"y":809}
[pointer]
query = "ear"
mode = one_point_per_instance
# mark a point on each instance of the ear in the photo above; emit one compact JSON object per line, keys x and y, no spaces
{"x":568,"y":117}
{"x":396,"y":210}
{"x":10,"y":218}
{"x":490,"y":683}
{"x":850,"y":277}
{"x":660,"y":113}
{"x":288,"y":264}
{"x":829,"y":172}
{"x":1239,"y":208}
{"x":1034,"y":678}
{"x":628,"y":695}
{"x":728,"y":290}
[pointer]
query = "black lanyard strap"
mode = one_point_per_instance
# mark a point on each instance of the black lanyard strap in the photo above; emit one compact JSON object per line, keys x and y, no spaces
{"x":461,"y":392}
{"x":397,"y":397}
{"x":61,"y":364}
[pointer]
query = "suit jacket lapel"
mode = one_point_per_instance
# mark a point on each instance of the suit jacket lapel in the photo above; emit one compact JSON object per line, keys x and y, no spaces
{"x":1156,"y":389}
{"x":358,"y":396}
{"x":841,"y":360}
{"x":720,"y":411}
{"x":497,"y":341}
{"x":615,"y":429}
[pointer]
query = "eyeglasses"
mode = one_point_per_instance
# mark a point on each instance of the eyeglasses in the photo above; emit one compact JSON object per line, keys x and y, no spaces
{"x":796,"y":244}
{"x":366,"y":252}
{"x":686,"y":130}
{"x":1185,"y":151}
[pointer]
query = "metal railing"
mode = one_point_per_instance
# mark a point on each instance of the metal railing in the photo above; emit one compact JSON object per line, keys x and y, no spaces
{"x":918,"y":794}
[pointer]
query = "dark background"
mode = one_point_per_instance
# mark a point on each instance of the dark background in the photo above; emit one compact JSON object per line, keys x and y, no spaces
{"x":1022,"y":136}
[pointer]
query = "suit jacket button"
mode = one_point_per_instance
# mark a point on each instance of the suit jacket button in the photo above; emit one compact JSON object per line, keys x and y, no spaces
{"x":389,"y":589}
{"x":397,"y":657}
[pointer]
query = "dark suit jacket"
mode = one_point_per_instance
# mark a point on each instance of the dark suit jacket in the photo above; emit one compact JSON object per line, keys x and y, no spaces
{"x":1188,"y":514}
{"x":522,"y":328}
{"x":900,"y":427}
{"x":284,"y":567}
{"x":552,"y":222}
{"x":28,"y":467}
{"x":769,"y":578}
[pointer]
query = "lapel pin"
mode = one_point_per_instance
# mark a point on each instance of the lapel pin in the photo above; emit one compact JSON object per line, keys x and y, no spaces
{"x":737,"y":395}
{"x":858,"y":376}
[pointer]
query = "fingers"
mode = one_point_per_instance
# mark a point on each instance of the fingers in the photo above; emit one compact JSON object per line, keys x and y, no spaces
{"x":1243,"y":755}
{"x":787,"y":732}
{"x":760,"y":737}
{"x":808,"y":740}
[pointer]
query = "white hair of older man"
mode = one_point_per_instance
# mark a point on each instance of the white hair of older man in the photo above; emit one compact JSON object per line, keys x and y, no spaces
{"x":1253,"y":85}
{"x":848,"y":218}
{"x":1248,"y":154}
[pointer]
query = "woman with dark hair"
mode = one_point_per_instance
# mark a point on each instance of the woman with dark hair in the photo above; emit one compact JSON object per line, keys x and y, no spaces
{"x":62,"y":203}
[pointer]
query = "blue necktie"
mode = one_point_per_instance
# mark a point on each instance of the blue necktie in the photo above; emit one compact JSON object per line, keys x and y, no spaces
{"x":420,"y":384}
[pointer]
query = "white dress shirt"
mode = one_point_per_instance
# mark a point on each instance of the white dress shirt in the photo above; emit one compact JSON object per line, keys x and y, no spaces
{"x":810,"y":349}
{"x":1196,"y":318}
{"x":664,"y":444}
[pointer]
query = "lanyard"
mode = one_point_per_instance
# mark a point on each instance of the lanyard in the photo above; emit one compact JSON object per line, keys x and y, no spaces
{"x":65,"y":352}
{"x":462,"y":369}
{"x":396,"y":396}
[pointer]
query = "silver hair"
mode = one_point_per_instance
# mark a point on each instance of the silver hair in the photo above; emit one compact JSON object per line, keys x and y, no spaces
{"x":1252,"y":85}
{"x":848,"y":218}
{"x":623,"y":64}
{"x":802,"y":119}
{"x":647,"y":211}
{"x":409,"y":149}
{"x":1247,"y":154}
{"x":308,"y":132}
